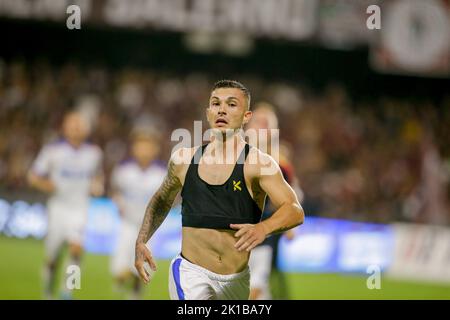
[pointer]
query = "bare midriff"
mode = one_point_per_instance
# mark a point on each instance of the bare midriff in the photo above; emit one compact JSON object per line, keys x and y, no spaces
{"x":214,"y":250}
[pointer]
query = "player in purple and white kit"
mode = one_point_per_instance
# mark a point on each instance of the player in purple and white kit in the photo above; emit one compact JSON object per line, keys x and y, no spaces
{"x":69,"y":171}
{"x":133,"y":183}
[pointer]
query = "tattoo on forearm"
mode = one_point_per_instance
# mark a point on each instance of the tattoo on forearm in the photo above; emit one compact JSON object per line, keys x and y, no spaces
{"x":159,"y":205}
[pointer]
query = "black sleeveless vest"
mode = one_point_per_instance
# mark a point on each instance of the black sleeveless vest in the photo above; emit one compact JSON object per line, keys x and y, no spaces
{"x":217,"y":206}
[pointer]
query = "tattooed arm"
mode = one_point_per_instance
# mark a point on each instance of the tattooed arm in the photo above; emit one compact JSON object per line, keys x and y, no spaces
{"x":156,"y":212}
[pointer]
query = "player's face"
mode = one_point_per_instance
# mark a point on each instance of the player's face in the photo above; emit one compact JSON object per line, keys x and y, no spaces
{"x":75,"y":128}
{"x":145,"y":150}
{"x":228,"y":109}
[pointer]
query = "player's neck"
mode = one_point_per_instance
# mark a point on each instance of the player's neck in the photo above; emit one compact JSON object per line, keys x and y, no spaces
{"x":226,"y":139}
{"x":144,"y":164}
{"x":75,"y":143}
{"x":226,"y":146}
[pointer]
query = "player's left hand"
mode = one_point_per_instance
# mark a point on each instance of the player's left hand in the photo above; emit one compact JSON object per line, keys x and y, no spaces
{"x":250,"y":235}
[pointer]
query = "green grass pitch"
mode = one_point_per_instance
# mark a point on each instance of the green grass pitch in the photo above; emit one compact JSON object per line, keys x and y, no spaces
{"x":21,"y":264}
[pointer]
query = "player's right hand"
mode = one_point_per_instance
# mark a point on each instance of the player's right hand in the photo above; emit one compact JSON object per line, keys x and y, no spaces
{"x":48,"y":186}
{"x":43,"y":184}
{"x":143,"y":256}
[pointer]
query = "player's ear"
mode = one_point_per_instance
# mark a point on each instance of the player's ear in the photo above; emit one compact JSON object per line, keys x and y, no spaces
{"x":247,"y":116}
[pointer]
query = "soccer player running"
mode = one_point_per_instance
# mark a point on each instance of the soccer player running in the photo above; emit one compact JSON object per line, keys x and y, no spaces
{"x":223,"y":186}
{"x":69,"y":171}
{"x":133,"y":183}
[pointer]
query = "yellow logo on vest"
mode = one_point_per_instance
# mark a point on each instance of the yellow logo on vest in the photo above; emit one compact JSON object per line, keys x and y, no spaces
{"x":236,"y":186}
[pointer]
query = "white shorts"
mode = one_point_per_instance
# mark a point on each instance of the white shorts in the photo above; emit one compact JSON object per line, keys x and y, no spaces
{"x":122,"y":260}
{"x":188,"y":281}
{"x":260,"y":265}
{"x":65,"y":224}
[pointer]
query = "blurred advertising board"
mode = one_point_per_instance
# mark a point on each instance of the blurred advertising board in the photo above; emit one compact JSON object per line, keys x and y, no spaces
{"x":328,"y":245}
{"x":421,"y":252}
{"x":20,"y":219}
{"x":320,"y":245}
{"x":103,"y":226}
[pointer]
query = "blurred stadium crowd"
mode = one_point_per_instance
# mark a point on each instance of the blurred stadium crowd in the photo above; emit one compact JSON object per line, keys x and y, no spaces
{"x":379,"y":160}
